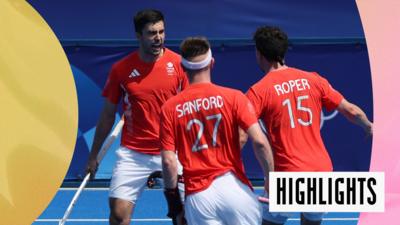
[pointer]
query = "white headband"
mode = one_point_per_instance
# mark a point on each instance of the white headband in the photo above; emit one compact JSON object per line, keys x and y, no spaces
{"x":197,"y":65}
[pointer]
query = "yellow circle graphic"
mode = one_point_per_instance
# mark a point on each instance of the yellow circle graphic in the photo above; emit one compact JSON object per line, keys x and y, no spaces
{"x":38,"y":114}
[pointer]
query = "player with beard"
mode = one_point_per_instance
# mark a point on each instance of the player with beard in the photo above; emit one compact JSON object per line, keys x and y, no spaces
{"x":143,"y":80}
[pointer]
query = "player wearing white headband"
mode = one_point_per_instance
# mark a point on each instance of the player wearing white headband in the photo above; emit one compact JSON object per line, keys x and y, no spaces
{"x":201,"y":125}
{"x":198,"y":65}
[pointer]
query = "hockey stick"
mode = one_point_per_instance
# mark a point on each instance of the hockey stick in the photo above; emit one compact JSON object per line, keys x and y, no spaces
{"x":263,"y":200}
{"x":107,"y":144}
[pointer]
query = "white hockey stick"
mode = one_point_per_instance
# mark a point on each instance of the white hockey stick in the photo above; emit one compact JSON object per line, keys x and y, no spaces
{"x":107,"y":144}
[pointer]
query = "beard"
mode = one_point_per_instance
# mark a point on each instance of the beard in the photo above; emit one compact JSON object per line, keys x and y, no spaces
{"x":154,"y":49}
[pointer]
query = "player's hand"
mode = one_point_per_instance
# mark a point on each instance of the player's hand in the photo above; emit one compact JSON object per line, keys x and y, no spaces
{"x":152,"y":179}
{"x":92,"y":166}
{"x":180,"y":219}
{"x":368,"y":130}
{"x":175,"y":206}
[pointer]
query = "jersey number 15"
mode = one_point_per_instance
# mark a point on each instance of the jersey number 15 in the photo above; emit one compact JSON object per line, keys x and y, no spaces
{"x":299,"y":108}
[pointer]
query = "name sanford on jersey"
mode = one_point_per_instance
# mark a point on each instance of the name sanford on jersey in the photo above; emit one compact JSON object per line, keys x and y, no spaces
{"x":196,"y":105}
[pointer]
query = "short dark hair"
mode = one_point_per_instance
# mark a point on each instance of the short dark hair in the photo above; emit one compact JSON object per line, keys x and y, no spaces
{"x":272,"y":43}
{"x":194,"y":46}
{"x":146,"y":16}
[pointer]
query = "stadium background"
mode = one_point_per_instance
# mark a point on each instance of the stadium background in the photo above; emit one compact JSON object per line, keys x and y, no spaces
{"x":325,"y":37}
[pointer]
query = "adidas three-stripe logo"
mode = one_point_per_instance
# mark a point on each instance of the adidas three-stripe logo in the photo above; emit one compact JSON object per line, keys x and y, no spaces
{"x":134,"y":73}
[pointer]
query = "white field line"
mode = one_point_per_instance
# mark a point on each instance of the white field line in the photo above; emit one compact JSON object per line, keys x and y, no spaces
{"x":161,"y":220}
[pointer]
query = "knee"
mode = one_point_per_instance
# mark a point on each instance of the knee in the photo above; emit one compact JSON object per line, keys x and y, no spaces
{"x":120,"y":212}
{"x":117,"y":218}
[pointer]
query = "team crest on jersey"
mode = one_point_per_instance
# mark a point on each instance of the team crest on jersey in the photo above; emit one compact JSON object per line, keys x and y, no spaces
{"x":170,"y":69}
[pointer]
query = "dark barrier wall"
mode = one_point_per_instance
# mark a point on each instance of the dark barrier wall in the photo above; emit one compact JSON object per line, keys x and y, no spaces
{"x":217,"y":19}
{"x":346,"y":66}
{"x":326,"y":36}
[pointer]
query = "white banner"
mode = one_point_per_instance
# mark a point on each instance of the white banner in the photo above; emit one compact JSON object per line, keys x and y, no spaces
{"x":327,"y":192}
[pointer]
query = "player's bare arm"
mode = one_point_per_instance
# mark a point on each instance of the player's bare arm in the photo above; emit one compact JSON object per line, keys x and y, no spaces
{"x":356,"y":115}
{"x":242,"y":137}
{"x":262,"y":150}
{"x":170,"y":168}
{"x":103,"y":128}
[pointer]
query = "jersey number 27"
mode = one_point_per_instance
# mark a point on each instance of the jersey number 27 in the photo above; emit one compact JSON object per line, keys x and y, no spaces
{"x":197,"y":146}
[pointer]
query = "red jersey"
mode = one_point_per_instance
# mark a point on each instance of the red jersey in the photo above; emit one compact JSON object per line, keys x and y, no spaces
{"x":144,"y":88}
{"x":201,"y":124}
{"x":289,"y":102}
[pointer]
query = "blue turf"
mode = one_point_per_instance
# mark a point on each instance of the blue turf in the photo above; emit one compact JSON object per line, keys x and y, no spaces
{"x":93,"y":204}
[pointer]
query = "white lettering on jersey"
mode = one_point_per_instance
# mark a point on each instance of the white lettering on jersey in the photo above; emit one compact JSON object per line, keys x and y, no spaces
{"x":196,"y":105}
{"x":289,"y":86}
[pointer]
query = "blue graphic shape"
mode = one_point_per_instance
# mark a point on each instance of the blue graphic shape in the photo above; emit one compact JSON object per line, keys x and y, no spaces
{"x":90,"y":101}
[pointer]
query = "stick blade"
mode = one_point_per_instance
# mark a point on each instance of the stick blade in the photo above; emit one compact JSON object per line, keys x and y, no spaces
{"x":263,"y":200}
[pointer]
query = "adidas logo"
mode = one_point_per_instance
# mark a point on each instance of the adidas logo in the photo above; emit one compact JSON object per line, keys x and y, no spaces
{"x":134,"y":73}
